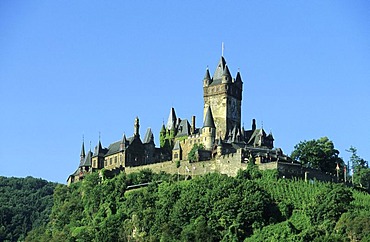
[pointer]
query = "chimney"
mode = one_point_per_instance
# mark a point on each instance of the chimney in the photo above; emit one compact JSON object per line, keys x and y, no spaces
{"x":253,"y":124}
{"x":192,"y":124}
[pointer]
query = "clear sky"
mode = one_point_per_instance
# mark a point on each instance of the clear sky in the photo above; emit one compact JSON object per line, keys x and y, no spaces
{"x":74,"y":68}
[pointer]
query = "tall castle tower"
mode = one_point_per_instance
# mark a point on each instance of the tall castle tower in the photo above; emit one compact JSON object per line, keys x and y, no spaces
{"x":224,"y":95}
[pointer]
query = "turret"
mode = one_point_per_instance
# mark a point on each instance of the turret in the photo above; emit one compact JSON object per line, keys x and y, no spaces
{"x":122,"y":145}
{"x":207,"y":78}
{"x":162,"y":136}
{"x":209,"y":130}
{"x":238,"y":80}
{"x":226,"y":76}
{"x":82,"y":155}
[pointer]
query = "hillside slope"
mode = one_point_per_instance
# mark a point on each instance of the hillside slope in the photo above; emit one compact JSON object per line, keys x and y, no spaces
{"x":25,"y":204}
{"x":253,"y":206}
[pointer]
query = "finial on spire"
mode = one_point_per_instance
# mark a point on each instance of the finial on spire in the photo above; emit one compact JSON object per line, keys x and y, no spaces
{"x":99,"y":136}
{"x":222,"y":49}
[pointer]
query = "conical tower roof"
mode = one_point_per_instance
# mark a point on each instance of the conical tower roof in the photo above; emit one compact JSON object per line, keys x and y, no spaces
{"x":207,"y":76}
{"x":219,"y":69}
{"x":82,"y":155}
{"x":163,"y":129}
{"x":171,"y":122}
{"x":208,"y":120}
{"x":238,"y":77}
{"x":226,"y":71}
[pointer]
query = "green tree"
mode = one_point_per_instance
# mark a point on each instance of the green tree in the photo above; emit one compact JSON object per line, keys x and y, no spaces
{"x":319,"y":154}
{"x":361,"y":170}
{"x":193,"y":153}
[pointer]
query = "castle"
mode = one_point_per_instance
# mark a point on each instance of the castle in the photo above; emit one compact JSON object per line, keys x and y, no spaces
{"x":221,"y":144}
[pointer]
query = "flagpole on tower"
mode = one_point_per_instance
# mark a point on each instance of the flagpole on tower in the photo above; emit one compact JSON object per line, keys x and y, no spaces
{"x":222,"y":49}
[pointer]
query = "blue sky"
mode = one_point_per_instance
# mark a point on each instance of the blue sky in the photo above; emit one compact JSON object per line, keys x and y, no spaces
{"x":74,"y":68}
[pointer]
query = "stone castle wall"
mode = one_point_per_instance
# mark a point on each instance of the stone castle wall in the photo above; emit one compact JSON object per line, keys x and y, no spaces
{"x":231,"y":164}
{"x":226,"y":164}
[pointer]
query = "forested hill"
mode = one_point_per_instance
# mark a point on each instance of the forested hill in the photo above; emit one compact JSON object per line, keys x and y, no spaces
{"x":25,"y":204}
{"x":254,"y":206}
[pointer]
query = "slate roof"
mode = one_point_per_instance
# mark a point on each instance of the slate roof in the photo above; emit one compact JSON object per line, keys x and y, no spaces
{"x":113,"y":148}
{"x":83,"y":149}
{"x":171,"y":122}
{"x":256,"y":134}
{"x":87,"y":160}
{"x":208,"y":120}
{"x":183,"y":128}
{"x":149,"y":137}
{"x":99,"y":151}
{"x":219,"y":69}
{"x":177,"y":146}
{"x":238,"y":78}
{"x":207,"y":76}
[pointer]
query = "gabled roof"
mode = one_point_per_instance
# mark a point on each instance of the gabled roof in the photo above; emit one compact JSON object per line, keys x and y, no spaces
{"x":183,"y":128}
{"x":208,"y":120}
{"x":113,"y":148}
{"x":99,"y":151}
{"x":177,"y":145}
{"x":149,"y":137}
{"x":257,"y":133}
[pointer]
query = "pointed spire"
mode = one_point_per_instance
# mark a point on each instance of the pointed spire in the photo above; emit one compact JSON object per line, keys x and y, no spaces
{"x":208,"y":120}
{"x":226,"y":76}
{"x":219,"y":69}
{"x":207,"y":76}
{"x":238,"y":77}
{"x":82,"y":155}
{"x":163,"y":129}
{"x":171,"y":122}
{"x":122,"y":145}
{"x":226,"y":71}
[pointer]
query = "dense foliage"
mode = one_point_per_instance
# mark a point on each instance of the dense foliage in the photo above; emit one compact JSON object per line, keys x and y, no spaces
{"x":319,"y":154}
{"x":25,"y":204}
{"x":361,"y":170}
{"x":253,"y":206}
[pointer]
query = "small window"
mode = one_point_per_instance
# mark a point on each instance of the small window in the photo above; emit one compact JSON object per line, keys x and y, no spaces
{"x":110,"y":161}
